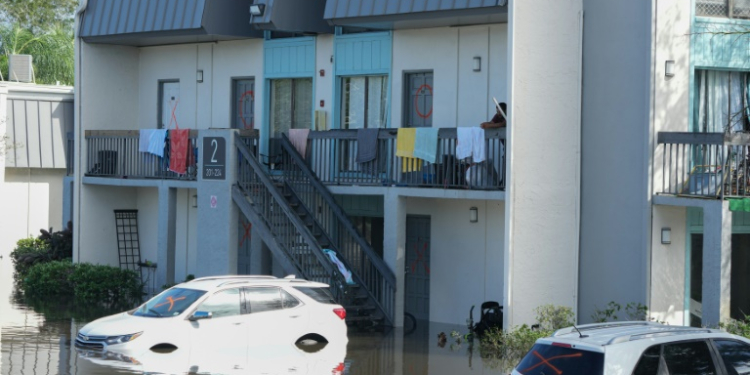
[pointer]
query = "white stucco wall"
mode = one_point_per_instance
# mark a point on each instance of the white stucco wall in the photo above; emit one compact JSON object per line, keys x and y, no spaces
{"x":235,"y":59}
{"x":96,"y":234}
{"x":542,"y":213}
{"x":32,"y":200}
{"x":147,"y":204}
{"x":461,"y":97}
{"x":185,"y":234}
{"x":668,"y":265}
{"x":466,"y":259}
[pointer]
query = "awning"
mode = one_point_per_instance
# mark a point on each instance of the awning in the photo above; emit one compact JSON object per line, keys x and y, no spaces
{"x":156,"y":22}
{"x":294,"y":16}
{"x":413,"y":14}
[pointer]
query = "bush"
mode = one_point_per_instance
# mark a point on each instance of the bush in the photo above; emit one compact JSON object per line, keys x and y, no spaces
{"x":633,"y":311}
{"x":88,"y":283}
{"x":737,"y":327}
{"x":49,"y":246}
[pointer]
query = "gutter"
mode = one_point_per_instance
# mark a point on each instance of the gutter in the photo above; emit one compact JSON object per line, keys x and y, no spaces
{"x":78,"y":132}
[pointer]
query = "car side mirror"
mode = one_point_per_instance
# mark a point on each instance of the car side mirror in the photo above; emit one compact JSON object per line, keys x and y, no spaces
{"x":198,"y":315}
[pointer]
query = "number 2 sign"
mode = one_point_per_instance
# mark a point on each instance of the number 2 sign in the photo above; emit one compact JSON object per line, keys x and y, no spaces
{"x":214,"y":158}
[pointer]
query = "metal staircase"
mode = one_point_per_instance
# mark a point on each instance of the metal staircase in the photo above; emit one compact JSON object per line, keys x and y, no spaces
{"x":297,"y":217}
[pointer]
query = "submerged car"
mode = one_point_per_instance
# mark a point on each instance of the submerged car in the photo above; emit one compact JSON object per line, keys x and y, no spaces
{"x":226,"y":314}
{"x":637,"y":348}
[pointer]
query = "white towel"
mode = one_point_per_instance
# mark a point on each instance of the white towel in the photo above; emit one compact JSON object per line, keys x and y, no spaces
{"x":463,"y":146}
{"x":478,"y":151}
{"x":156,"y":143}
{"x":144,"y":139}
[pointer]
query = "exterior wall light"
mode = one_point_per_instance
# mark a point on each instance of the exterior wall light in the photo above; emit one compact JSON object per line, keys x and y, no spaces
{"x":669,"y":68}
{"x":473,"y":215}
{"x":666,"y":236}
{"x":477,"y":64}
{"x":257,"y":10}
{"x":195,"y":200}
{"x":199,"y":76}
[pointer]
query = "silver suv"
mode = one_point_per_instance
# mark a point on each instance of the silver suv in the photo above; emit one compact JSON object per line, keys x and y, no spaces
{"x":637,"y":348}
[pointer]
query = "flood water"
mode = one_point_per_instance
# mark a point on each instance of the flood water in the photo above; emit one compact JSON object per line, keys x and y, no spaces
{"x":37,"y":336}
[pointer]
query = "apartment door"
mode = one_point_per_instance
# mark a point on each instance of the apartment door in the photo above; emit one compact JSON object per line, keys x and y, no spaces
{"x":418,"y":109}
{"x":169,"y":99}
{"x":418,"y":267}
{"x":243,"y":103}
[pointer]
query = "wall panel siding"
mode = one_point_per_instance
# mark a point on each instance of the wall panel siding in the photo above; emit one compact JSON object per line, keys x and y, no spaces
{"x":369,"y":8}
{"x":106,"y":17}
{"x":363,"y":54}
{"x":289,"y":58}
{"x":711,"y":49}
{"x":19,"y":140}
{"x":45,"y":135}
{"x":37,"y":131}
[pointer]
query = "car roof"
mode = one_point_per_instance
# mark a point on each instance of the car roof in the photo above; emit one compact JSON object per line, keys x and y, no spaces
{"x":215,"y":282}
{"x":605,"y":334}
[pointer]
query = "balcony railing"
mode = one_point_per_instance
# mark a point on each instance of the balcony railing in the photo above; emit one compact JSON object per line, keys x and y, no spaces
{"x":714,"y":165}
{"x":332,"y":154}
{"x":115,"y":153}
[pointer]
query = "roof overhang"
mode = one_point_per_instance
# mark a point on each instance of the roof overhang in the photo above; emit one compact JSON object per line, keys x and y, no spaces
{"x":293,"y":16}
{"x":142,"y":23}
{"x":405,"y":14}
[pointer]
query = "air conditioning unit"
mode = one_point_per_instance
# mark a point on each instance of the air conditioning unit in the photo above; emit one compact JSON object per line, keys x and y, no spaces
{"x":20,"y":69}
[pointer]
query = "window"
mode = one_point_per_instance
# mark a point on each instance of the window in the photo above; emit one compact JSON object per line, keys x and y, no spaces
{"x":722,"y":101}
{"x":287,"y":300}
{"x":723,"y":8}
{"x":363,"y":102}
{"x":291,"y":105}
{"x":243,"y":103}
{"x":321,"y":295}
{"x":170,"y":302}
{"x":736,"y":356}
{"x":169,"y":98}
{"x":222,"y":304}
{"x":550,"y":359}
{"x":649,"y":362}
{"x":691,"y":357}
{"x":263,"y":299}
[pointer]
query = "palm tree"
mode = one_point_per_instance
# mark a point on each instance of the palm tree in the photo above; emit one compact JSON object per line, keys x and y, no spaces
{"x":52,"y":51}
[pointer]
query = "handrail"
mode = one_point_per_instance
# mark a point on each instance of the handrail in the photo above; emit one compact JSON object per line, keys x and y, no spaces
{"x":295,"y":220}
{"x":392,"y":133}
{"x":340,"y":215}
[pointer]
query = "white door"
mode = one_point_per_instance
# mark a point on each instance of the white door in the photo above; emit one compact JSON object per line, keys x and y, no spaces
{"x":220,"y":342}
{"x":169,"y":102}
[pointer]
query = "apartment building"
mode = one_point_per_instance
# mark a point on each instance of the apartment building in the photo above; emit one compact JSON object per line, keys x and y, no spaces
{"x":591,"y":194}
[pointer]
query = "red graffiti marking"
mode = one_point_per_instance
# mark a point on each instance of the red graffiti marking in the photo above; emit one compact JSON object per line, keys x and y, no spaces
{"x":546,"y":361}
{"x":420,"y":259}
{"x":247,"y":232}
{"x":170,"y":301}
{"x":416,"y":101}
{"x":174,"y":108}
{"x":243,"y":97}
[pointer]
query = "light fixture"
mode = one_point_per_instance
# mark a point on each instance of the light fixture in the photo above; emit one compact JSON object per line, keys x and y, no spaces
{"x":666,"y":236}
{"x":195,"y":200}
{"x":477,"y":63}
{"x":257,"y":9}
{"x":199,"y":75}
{"x":669,"y":68}
{"x":473,"y":215}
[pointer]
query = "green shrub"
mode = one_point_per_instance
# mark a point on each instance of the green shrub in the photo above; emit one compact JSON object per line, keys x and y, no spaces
{"x":551,"y":317}
{"x":49,"y":279}
{"x":28,"y":251}
{"x":633,"y":311}
{"x":737,"y":327}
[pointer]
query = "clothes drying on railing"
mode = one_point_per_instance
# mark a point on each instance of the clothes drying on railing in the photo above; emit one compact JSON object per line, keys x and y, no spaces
{"x":342,"y":268}
{"x":470,"y":143}
{"x":405,"y":139}
{"x":425,"y":144}
{"x":367,"y":145}
{"x":152,"y":141}
{"x":298,"y":138}
{"x":178,"y":143}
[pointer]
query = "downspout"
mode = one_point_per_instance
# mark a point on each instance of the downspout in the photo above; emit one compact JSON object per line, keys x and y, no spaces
{"x":579,"y":169}
{"x":78,"y":132}
{"x":650,"y":139}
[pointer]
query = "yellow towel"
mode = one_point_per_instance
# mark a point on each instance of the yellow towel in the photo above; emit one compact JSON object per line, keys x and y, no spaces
{"x":405,"y":150}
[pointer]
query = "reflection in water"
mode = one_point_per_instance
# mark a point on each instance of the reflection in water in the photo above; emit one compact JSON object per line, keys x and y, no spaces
{"x":37,"y":336}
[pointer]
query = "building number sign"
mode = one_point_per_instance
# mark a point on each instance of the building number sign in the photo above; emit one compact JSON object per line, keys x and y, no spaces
{"x":214,"y":158}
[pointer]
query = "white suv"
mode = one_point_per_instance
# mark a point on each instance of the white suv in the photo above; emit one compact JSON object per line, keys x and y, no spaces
{"x":637,"y":348}
{"x":226,"y":314}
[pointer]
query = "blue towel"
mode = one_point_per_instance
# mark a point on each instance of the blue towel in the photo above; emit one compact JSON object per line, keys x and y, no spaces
{"x":144,"y":139}
{"x":156,"y":143}
{"x":425,"y":144}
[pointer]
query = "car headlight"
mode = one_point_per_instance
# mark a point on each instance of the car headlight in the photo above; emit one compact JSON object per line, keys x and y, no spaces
{"x":114,"y":340}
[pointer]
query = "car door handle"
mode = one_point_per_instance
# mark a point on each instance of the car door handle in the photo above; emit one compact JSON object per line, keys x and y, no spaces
{"x":293,"y":316}
{"x":236,"y":324}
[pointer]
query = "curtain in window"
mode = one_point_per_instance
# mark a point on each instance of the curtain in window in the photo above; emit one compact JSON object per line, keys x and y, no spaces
{"x":722,"y":101}
{"x":376,"y":102}
{"x":281,"y":106}
{"x":353,"y":100}
{"x":302,"y":106}
{"x":364,"y":102}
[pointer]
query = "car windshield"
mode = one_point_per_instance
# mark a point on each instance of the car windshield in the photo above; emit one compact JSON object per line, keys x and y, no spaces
{"x":169,"y":303}
{"x":559,"y":359}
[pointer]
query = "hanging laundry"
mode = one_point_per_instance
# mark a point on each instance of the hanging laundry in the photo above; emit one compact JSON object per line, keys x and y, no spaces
{"x":144,"y":139}
{"x":426,"y":144}
{"x":405,"y":150}
{"x":367,"y":145}
{"x":178,"y":144}
{"x":156,"y":142}
{"x":298,"y":138}
{"x":478,"y":148}
{"x":342,"y":268}
{"x":463,"y":143}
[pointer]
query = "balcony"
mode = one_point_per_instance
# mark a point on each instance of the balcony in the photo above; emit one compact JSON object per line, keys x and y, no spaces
{"x":332,"y":154}
{"x":702,"y":165}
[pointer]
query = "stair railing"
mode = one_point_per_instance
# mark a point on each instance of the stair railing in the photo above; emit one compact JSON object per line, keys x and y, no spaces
{"x":368,"y":268}
{"x":286,"y":227}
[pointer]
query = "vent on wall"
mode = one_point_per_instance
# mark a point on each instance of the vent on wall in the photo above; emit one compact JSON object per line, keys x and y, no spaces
{"x":20,"y":69}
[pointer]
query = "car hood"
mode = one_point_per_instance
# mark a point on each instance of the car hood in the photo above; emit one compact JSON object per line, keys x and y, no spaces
{"x":122,"y":324}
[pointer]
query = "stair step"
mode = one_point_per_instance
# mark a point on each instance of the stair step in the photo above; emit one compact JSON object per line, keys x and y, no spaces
{"x":362,"y":318}
{"x":359,"y":308}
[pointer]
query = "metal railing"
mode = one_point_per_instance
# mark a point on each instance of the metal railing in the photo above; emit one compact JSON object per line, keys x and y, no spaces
{"x":369,"y":270}
{"x":715,"y":165}
{"x":115,"y":153}
{"x":723,"y":8}
{"x":331,"y":155}
{"x":287,"y":229}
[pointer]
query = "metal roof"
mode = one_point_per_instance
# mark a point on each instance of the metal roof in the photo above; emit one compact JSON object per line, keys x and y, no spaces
{"x":296,"y":16}
{"x":154,"y":22}
{"x":395,"y":14}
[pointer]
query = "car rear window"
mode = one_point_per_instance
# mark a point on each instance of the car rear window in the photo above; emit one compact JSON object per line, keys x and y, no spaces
{"x":559,"y":360}
{"x":321,"y":295}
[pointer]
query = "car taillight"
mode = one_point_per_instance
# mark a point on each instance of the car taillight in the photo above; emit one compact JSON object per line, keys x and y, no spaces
{"x":340,"y":312}
{"x":338,"y":370}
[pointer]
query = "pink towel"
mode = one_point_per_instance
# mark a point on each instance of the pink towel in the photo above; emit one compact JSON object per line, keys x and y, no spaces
{"x":298,"y":137}
{"x":178,"y":147}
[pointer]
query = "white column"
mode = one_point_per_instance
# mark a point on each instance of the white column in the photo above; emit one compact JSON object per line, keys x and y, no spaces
{"x":717,"y":263}
{"x":165,"y":240}
{"x":3,"y":126}
{"x":394,"y":242}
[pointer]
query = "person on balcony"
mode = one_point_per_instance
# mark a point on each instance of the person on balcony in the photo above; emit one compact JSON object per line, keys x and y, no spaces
{"x":498,"y":121}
